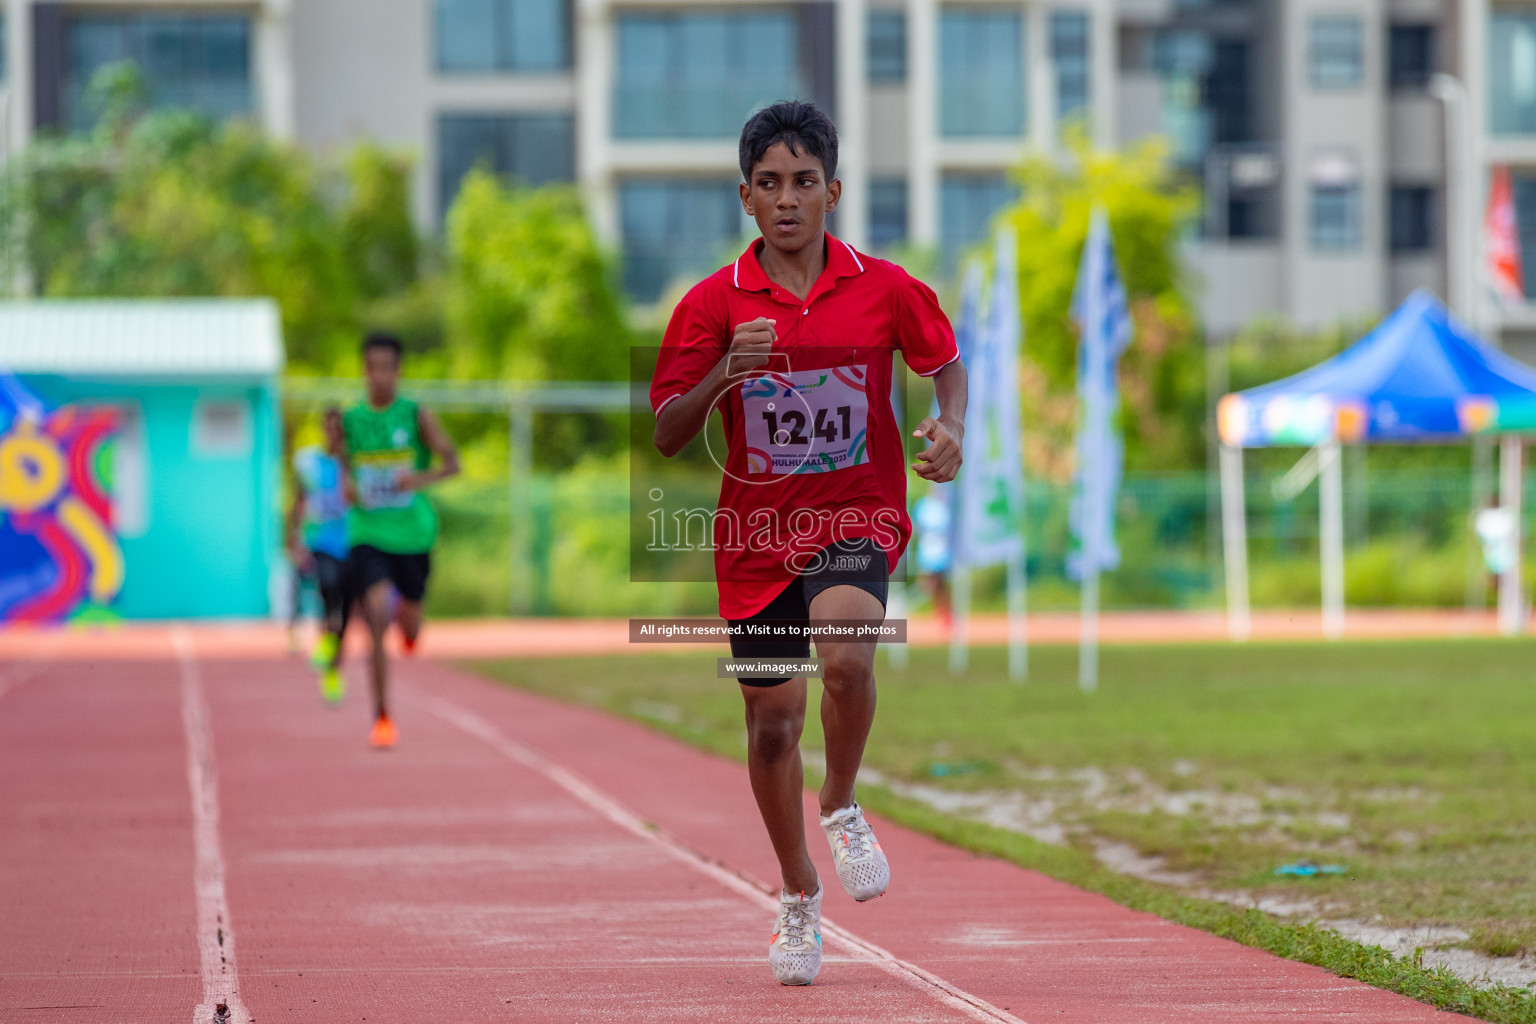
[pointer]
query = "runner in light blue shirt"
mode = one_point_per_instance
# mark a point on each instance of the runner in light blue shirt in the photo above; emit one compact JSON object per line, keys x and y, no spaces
{"x":317,"y":526}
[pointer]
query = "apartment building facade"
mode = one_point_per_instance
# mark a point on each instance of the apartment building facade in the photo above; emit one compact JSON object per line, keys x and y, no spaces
{"x":1309,"y":123}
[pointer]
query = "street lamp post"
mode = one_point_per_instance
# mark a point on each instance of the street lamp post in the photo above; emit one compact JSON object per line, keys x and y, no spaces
{"x":1460,"y":203}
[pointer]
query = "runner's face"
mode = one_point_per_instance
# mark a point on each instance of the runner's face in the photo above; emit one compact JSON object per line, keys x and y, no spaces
{"x":789,"y":197}
{"x":382,"y":368}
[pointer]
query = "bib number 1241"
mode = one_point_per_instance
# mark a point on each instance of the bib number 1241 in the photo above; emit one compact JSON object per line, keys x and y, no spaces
{"x":806,"y":421}
{"x":826,"y":427}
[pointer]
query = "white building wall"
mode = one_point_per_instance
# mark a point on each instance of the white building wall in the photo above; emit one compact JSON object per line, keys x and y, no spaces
{"x":1325,"y":132}
{"x":329,"y":72}
{"x":16,"y":110}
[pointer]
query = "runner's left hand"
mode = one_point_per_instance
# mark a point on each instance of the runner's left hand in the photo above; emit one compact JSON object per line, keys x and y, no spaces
{"x":942,"y":459}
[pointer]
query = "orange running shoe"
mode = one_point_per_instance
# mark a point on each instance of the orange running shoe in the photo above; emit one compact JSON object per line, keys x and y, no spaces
{"x":384,"y":733}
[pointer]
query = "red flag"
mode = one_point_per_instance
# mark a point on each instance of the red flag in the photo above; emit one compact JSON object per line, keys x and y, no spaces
{"x":1501,"y":239}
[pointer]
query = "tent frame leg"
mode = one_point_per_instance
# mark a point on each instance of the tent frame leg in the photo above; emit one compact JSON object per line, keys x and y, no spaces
{"x":1330,"y":486}
{"x":1511,"y":487}
{"x":1234,"y":542}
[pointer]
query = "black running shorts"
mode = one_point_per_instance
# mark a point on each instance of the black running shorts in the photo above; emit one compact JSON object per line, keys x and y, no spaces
{"x":368,"y":565}
{"x":857,"y":563}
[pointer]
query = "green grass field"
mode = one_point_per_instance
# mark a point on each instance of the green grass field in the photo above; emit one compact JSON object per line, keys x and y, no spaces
{"x":1411,"y":765}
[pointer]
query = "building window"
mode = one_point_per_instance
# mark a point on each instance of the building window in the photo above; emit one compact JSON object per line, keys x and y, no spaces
{"x":1410,"y":56}
{"x":1335,"y":217}
{"x":1069,"y":58}
{"x":1227,"y":94}
{"x":1411,"y":217}
{"x":187,"y":61}
{"x":981,"y":73}
{"x":674,"y":230}
{"x":699,"y":74}
{"x":502,"y":35}
{"x":967,"y":204}
{"x":530,"y":149}
{"x":887,"y":212}
{"x":887,"y":46}
{"x":221,"y":428}
{"x":1184,"y":59}
{"x":1512,"y":70}
{"x":1335,"y":52}
{"x":1249,"y":179}
{"x":1252,"y":217}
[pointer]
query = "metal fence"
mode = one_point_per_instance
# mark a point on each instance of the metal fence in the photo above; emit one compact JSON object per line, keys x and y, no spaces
{"x":536,"y":538}
{"x":519,"y":488}
{"x":576,"y":560}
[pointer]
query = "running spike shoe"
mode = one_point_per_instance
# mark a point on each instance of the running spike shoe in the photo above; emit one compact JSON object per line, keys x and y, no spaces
{"x":794,"y":951}
{"x":325,"y":651}
{"x":861,"y":864}
{"x":384,"y":733}
{"x":332,"y":686}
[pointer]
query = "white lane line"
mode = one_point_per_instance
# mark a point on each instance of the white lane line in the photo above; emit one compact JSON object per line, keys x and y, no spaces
{"x":972,"y":1006}
{"x":215,"y":938}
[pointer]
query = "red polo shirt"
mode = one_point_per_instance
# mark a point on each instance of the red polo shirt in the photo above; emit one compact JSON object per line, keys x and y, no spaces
{"x":815,"y":454}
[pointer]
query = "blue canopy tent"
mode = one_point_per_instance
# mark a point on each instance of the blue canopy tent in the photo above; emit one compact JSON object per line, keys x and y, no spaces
{"x":1419,"y":376}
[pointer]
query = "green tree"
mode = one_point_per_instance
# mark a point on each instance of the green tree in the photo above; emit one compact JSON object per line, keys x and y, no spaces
{"x":171,"y":203}
{"x":1161,"y":376}
{"x":377,"y":233}
{"x":530,"y":293}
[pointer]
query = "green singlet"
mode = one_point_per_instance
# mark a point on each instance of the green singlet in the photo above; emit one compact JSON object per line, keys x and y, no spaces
{"x":382,"y":445}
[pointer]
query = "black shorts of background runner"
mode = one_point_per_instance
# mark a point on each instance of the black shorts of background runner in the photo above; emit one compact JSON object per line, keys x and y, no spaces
{"x":368,"y":565}
{"x":331,"y":581}
{"x":848,"y":563}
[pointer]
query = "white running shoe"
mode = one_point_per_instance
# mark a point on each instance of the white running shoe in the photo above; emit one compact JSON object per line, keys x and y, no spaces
{"x":861,"y":864}
{"x":794,"y":952}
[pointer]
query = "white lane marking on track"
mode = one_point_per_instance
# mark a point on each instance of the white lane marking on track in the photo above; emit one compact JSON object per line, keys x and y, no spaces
{"x":971,"y":1005}
{"x":215,"y":937}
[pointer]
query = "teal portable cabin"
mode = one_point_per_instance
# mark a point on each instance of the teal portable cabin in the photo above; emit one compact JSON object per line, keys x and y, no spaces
{"x":196,"y":467}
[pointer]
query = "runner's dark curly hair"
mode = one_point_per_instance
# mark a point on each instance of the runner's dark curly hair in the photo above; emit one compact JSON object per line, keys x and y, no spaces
{"x":795,"y":124}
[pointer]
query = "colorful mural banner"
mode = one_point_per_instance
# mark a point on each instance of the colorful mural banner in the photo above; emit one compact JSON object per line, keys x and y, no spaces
{"x":59,"y":557}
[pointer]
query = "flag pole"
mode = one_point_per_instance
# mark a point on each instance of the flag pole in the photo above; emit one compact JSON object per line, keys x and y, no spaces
{"x":1092,"y":453}
{"x":896,"y":600}
{"x":959,"y":616}
{"x":1009,"y":335}
{"x":1018,"y":621}
{"x":968,"y":339}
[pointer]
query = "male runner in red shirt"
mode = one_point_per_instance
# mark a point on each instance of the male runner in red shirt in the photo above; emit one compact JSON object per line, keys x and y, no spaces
{"x":794,"y":343}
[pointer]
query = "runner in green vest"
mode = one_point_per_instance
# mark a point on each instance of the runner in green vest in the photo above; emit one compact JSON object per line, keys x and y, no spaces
{"x":391,"y":526}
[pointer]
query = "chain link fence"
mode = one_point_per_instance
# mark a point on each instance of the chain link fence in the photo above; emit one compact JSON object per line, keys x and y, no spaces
{"x":1408,"y":543}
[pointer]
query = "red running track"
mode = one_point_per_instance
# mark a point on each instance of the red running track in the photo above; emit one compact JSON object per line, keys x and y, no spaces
{"x":514,"y":859}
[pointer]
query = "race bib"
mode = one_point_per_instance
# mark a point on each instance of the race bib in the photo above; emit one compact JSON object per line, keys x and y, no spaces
{"x":378,"y":481}
{"x":806,"y":421}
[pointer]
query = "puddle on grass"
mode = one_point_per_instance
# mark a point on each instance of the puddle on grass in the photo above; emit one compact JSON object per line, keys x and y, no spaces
{"x":1134,"y":792}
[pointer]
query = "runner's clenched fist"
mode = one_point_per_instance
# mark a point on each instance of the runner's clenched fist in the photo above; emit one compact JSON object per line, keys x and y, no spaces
{"x":750,"y":345}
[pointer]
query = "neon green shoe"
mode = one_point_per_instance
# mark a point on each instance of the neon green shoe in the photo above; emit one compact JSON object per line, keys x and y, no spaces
{"x":325,"y":651}
{"x":332,"y":686}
